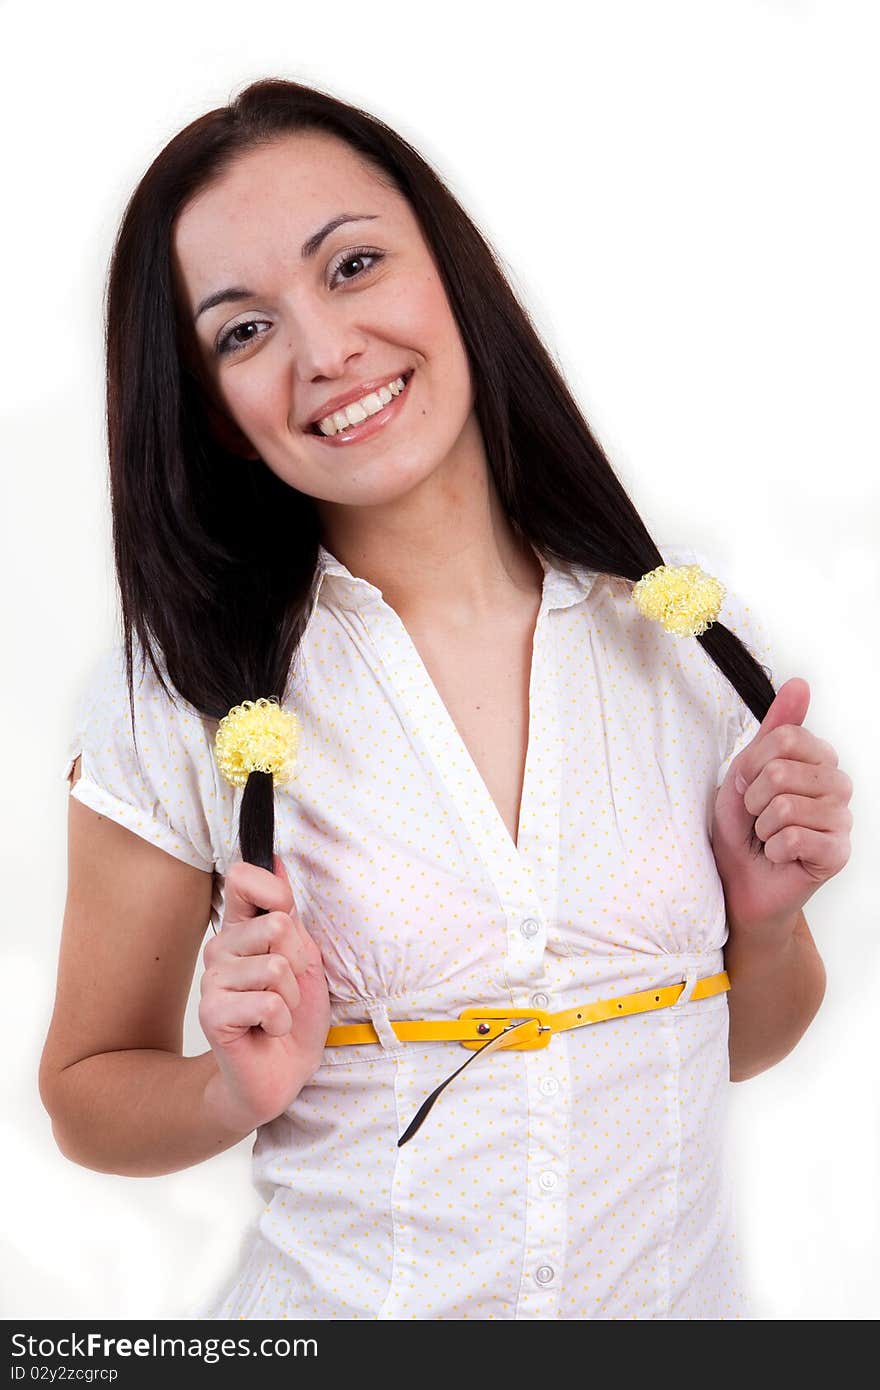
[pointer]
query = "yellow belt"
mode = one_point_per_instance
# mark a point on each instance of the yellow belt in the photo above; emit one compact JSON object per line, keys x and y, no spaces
{"x":476,"y":1027}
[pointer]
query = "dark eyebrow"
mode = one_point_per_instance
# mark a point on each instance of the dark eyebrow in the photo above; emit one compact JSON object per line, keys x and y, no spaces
{"x":308,"y":248}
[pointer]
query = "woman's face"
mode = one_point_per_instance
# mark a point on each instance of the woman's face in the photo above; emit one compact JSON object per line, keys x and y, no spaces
{"x":363,"y":304}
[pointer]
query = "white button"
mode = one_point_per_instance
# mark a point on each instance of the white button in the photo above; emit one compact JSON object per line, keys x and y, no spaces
{"x":548,"y":1181}
{"x":540,"y":1000}
{"x":530,"y":927}
{"x":544,"y":1274}
{"x":548,"y":1085}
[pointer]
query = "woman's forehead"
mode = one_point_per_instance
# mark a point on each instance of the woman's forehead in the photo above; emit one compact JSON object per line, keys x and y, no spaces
{"x":274,"y":201}
{"x":299,"y":174}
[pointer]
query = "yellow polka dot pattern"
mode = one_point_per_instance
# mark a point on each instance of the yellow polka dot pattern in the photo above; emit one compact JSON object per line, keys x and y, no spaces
{"x":587,"y":1180}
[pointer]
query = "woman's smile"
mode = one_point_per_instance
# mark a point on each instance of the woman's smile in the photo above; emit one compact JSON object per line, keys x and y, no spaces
{"x":372,"y":425}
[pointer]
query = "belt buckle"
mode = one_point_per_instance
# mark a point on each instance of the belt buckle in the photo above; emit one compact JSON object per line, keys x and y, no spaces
{"x":495,"y":1021}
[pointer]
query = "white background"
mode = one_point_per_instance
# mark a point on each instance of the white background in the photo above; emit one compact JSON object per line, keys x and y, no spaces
{"x":685,"y":196}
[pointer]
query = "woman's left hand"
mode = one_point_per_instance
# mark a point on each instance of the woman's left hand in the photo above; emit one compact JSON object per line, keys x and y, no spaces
{"x":782,"y":820}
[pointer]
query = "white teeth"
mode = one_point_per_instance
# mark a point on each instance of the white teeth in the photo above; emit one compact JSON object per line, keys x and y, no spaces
{"x":349,"y":415}
{"x":360,"y":410}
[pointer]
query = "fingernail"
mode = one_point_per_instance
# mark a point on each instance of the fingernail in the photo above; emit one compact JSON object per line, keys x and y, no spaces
{"x":740,"y":783}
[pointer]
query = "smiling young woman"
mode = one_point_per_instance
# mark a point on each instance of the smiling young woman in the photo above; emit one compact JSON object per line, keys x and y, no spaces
{"x":348,"y":479}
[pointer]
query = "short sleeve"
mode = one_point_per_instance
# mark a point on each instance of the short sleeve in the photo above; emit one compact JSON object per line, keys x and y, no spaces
{"x":738,"y":725}
{"x":164,"y":786}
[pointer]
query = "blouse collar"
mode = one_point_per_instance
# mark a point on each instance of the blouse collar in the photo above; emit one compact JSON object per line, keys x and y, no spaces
{"x":564,"y":584}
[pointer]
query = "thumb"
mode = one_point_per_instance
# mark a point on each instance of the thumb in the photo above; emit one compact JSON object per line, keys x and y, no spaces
{"x":279,"y":868}
{"x":789,"y":706}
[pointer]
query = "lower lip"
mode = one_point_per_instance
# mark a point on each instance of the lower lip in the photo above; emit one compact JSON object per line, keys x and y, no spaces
{"x":370,"y":426}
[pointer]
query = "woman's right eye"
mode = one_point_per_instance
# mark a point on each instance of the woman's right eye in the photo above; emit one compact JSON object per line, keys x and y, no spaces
{"x":228,"y":344}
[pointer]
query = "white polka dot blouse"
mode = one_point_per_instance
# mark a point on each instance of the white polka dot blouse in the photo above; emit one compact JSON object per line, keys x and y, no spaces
{"x":585,"y":1179}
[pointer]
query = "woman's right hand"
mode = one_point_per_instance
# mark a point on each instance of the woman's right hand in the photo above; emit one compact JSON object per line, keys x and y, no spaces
{"x":265,"y":1007}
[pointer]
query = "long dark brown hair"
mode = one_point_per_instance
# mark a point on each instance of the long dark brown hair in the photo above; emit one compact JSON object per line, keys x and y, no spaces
{"x":216,"y":557}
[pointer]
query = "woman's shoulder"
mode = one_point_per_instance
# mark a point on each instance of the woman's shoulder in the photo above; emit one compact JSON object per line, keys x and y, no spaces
{"x":148,"y":761}
{"x":153,"y":693}
{"x":739,"y":610}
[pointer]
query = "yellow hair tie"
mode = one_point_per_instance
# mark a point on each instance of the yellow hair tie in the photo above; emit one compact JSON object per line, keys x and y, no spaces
{"x":684,"y":598}
{"x":257,"y":736}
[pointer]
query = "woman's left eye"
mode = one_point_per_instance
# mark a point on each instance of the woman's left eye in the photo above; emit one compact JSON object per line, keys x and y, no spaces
{"x":361,"y":254}
{"x":227,"y":343}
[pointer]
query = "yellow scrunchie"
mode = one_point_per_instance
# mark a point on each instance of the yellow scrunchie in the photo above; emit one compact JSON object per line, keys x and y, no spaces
{"x":257,"y":736}
{"x":683,"y":598}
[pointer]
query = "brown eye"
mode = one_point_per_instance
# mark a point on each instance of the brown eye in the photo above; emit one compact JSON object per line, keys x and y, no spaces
{"x":230,"y":344}
{"x":359,"y":255}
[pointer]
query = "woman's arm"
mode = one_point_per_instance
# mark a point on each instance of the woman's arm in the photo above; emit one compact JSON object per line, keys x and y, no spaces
{"x":122,"y":1097}
{"x":786,"y":791}
{"x":139,"y":1113}
{"x":775,"y":993}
